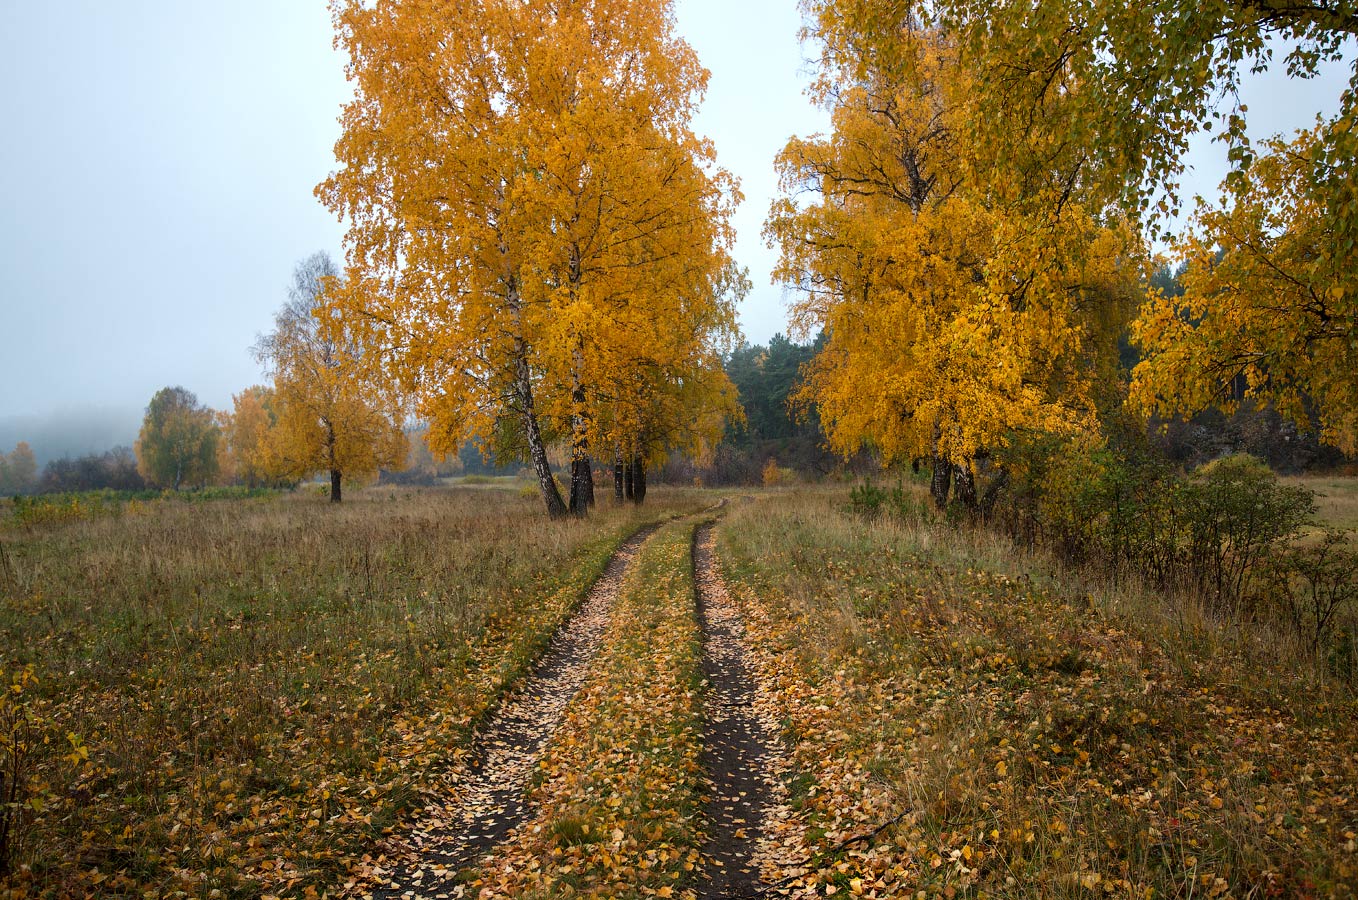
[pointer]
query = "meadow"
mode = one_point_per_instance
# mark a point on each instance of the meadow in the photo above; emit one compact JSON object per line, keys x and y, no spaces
{"x":1336,"y":498}
{"x":253,"y":696}
{"x":1015,"y":728}
{"x":234,"y":698}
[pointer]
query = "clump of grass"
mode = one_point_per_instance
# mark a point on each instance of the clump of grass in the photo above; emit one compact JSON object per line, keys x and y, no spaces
{"x":262,"y":688}
{"x":907,"y":503}
{"x":1030,"y":733}
{"x":49,"y":509}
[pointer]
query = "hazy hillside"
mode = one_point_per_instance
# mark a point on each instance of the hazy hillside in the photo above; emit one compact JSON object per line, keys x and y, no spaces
{"x":71,"y":432}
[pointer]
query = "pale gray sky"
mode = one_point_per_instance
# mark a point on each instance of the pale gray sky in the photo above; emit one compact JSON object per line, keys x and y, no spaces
{"x":158,"y":164}
{"x":157,"y":161}
{"x":157,"y":167}
{"x":1276,"y":105}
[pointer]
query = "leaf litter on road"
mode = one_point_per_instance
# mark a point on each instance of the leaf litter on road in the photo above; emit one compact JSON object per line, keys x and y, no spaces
{"x":491,"y":788}
{"x":617,"y":803}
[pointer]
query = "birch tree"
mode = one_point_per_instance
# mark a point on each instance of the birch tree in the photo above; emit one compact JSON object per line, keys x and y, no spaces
{"x":523,"y":191}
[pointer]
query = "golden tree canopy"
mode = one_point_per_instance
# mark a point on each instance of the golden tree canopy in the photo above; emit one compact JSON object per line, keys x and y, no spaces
{"x":1269,"y":308}
{"x":329,"y":412}
{"x":957,"y":311}
{"x":247,"y":434}
{"x":1122,"y":88}
{"x":531,"y":218}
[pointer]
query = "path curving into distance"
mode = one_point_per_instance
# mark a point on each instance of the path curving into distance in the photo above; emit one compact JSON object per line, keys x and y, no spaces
{"x":505,"y":752}
{"x":737,"y":745}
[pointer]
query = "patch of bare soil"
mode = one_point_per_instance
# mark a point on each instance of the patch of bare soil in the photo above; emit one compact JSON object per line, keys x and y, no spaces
{"x":739,"y":749}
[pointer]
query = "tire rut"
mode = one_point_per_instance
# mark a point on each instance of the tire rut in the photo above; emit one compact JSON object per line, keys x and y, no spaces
{"x":737,"y":745}
{"x":505,"y":751}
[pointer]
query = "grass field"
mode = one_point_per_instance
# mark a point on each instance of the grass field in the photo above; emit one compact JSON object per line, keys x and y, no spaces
{"x":262,"y":686}
{"x":1336,"y":498}
{"x":243,"y":697}
{"x":503,"y":482}
{"x":1022,"y":733}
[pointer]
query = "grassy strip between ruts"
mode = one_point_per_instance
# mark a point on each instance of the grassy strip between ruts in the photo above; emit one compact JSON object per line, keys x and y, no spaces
{"x":619,"y":784}
{"x":1017,"y":738}
{"x":263,"y":688}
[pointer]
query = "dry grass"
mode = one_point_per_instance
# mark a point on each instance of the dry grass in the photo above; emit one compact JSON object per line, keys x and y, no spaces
{"x":1336,"y":498}
{"x":263,"y":686}
{"x":1039,"y":736}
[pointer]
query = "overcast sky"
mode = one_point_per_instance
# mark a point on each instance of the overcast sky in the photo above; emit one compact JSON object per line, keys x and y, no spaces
{"x":157,"y":162}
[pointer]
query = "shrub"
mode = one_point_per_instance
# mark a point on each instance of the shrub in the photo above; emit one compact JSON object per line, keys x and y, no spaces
{"x":867,"y":499}
{"x":22,"y":791}
{"x":1342,"y":659}
{"x":49,"y":509}
{"x":1130,"y":512}
{"x":46,"y":509}
{"x":1312,"y":587}
{"x":870,"y":501}
{"x":1235,"y":513}
{"x":1094,"y":504}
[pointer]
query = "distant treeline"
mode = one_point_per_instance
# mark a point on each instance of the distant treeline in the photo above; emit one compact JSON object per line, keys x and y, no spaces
{"x":778,"y":436}
{"x":114,"y":469}
{"x":776,"y":432}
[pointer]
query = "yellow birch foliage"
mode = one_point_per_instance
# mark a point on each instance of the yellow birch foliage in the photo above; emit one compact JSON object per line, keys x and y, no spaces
{"x":957,"y":311}
{"x":1134,"y":81}
{"x":1125,"y":87}
{"x":246,"y":431}
{"x":528,"y":210}
{"x":331,"y":415}
{"x":1268,"y":305}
